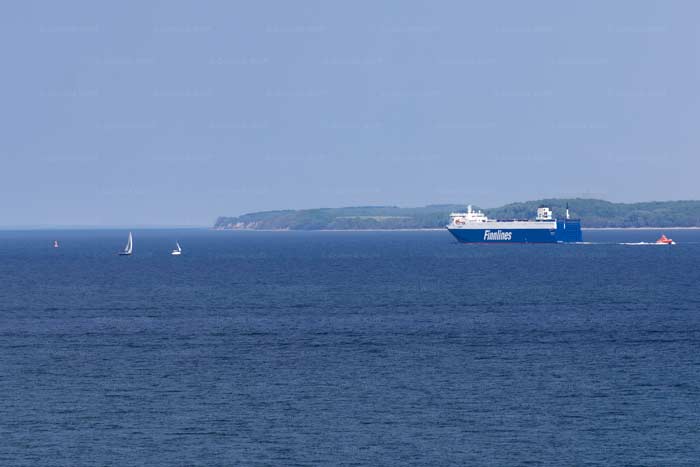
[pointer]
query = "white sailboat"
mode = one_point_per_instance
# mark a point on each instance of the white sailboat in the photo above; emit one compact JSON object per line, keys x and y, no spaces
{"x":129,"y":247}
{"x":177,"y":251}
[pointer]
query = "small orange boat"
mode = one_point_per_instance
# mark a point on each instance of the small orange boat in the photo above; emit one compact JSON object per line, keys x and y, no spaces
{"x":664,"y":240}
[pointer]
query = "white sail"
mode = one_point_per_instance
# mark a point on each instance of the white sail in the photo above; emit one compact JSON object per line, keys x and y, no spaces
{"x":177,"y":251}
{"x":178,"y":246}
{"x":129,"y":245}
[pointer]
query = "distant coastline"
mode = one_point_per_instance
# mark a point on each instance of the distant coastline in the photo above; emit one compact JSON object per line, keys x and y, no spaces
{"x":594,"y":214}
{"x":640,"y":228}
{"x":437,"y":229}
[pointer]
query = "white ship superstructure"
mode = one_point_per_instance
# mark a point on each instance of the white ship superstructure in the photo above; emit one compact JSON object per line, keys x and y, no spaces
{"x":477,"y":220}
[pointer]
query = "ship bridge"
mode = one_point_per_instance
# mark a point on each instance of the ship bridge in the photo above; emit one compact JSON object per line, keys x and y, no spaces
{"x":544,"y":214}
{"x":469,"y":217}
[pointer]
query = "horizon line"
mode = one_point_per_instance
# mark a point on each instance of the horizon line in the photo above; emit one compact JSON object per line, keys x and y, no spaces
{"x":102,"y":227}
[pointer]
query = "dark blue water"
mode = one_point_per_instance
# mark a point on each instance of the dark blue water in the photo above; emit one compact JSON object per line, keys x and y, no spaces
{"x":330,"y":348}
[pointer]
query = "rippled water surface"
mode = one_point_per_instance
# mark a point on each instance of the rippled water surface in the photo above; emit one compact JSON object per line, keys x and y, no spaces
{"x":347,"y":348}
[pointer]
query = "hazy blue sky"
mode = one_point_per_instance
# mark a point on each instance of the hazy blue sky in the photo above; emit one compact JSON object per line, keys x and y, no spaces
{"x":175,"y":112}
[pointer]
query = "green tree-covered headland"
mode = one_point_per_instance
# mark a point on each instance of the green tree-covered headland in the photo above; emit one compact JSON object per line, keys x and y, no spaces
{"x":592,"y":212}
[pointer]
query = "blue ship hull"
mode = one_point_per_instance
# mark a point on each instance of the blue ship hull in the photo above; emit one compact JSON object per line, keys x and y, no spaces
{"x":568,"y":231}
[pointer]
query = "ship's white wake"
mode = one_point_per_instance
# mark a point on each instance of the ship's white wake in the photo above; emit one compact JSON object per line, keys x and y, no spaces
{"x":646,"y":243}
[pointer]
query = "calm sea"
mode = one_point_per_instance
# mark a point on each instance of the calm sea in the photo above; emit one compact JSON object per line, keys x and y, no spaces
{"x":347,"y":348}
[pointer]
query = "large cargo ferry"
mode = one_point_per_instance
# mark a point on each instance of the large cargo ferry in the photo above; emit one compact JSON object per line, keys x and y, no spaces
{"x":474,"y":227}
